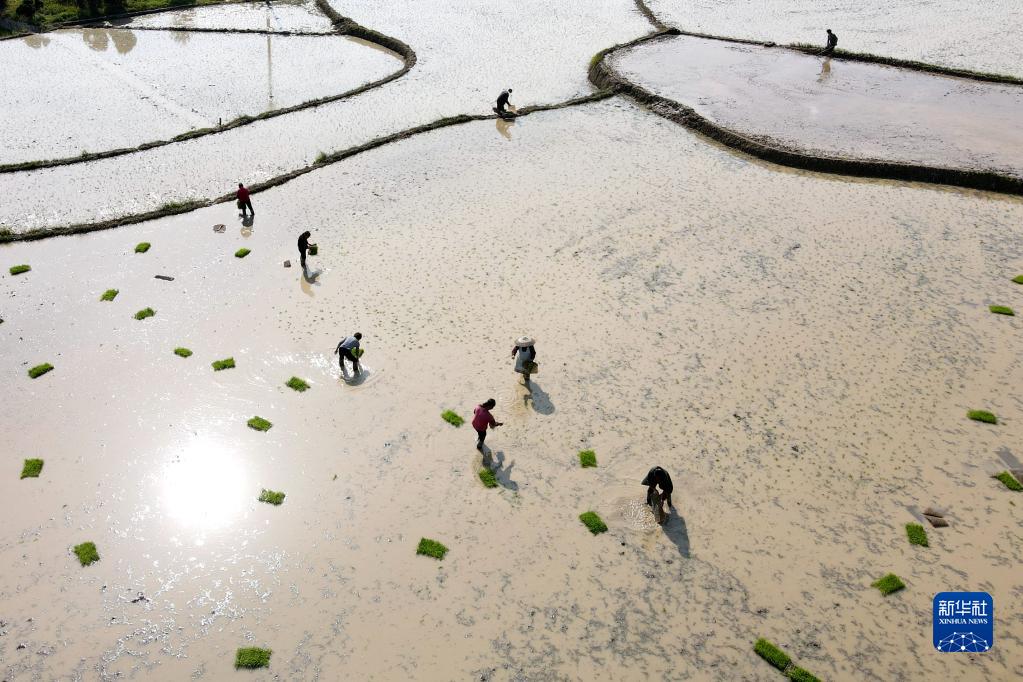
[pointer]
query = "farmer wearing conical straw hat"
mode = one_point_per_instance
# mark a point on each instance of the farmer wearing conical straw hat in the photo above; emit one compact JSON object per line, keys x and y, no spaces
{"x":524,"y":353}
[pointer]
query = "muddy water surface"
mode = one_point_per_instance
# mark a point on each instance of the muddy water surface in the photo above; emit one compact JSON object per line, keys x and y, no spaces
{"x":799,"y":351}
{"x":98,"y":89}
{"x":978,"y":36}
{"x":833,"y":107}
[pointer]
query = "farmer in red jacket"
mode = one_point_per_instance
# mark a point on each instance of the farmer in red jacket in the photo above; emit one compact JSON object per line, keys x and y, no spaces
{"x":482,"y":419}
{"x":243,"y":200}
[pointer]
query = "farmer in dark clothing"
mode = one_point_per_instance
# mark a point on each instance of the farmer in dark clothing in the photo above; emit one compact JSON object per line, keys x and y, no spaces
{"x":482,"y":419}
{"x":243,"y":199}
{"x":346,"y":351}
{"x":832,"y":42}
{"x":658,"y":477}
{"x":303,"y":246}
{"x":502,"y":100}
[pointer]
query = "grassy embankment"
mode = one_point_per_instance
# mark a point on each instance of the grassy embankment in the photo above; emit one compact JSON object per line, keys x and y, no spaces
{"x":50,"y":12}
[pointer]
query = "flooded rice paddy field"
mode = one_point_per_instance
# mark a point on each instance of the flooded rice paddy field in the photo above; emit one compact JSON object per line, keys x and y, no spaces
{"x":798,"y":350}
{"x":833,"y":107}
{"x":281,"y":15}
{"x":947,"y":32}
{"x":158,"y":84}
{"x":544,"y":51}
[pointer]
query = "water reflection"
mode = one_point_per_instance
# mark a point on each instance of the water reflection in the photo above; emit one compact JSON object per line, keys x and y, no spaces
{"x":504,"y":127}
{"x":99,"y":39}
{"x":825,"y":72}
{"x":206,"y":487}
{"x":36,"y":41}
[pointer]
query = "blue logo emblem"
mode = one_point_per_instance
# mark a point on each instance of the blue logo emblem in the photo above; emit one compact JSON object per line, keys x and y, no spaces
{"x":964,"y":621}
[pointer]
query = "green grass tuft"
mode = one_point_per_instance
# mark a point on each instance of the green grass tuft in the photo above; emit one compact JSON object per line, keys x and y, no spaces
{"x":241,"y":253}
{"x":226,"y":363}
{"x":1001,"y":310}
{"x":488,"y":478}
{"x":109,"y":295}
{"x":593,"y":522}
{"x":772,"y":654}
{"x":888,"y":584}
{"x":271,"y":496}
{"x":917,"y":535}
{"x":1018,"y":279}
{"x":297,"y":384}
{"x":259,"y":424}
{"x":40,"y":370}
{"x":587,"y":458}
{"x":144,"y":313}
{"x":32,"y":468}
{"x":797,"y":674}
{"x":321,"y":157}
{"x":252,"y":657}
{"x":451,"y":418}
{"x":142,"y":247}
{"x":431,"y":548}
{"x":87,"y":553}
{"x":1010,"y":481}
{"x":18,"y":269}
{"x":182,"y":352}
{"x":982,"y":416}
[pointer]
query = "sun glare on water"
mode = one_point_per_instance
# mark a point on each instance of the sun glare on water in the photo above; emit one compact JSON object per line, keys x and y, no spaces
{"x":205,"y":488}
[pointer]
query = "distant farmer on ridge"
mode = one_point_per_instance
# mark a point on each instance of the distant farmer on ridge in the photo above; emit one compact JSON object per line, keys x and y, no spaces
{"x":502,"y":101}
{"x":345,"y":351}
{"x":832,"y":42}
{"x":243,"y":199}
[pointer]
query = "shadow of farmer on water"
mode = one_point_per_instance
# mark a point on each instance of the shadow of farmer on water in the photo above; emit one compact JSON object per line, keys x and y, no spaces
{"x":675,"y":530}
{"x":538,"y":398}
{"x":501,"y":472}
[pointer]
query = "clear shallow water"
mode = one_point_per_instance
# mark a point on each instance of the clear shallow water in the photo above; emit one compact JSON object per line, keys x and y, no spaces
{"x":281,"y":15}
{"x":540,"y":51}
{"x":834,"y":107}
{"x":98,"y":89}
{"x":779,"y":327}
{"x":982,"y":36}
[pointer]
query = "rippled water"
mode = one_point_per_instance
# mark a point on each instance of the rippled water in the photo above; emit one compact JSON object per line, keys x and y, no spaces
{"x":982,"y":36}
